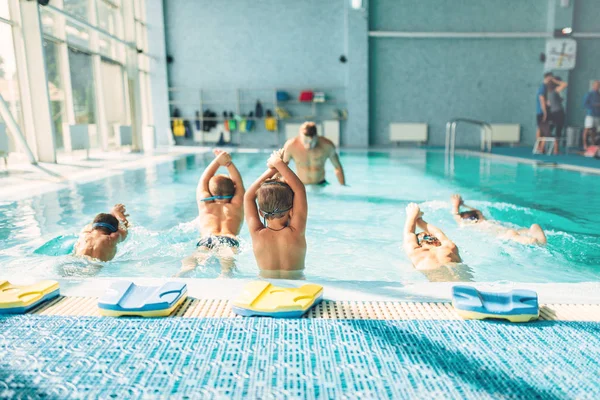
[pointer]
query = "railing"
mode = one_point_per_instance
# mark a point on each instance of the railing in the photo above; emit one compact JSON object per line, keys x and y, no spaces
{"x":486,"y":134}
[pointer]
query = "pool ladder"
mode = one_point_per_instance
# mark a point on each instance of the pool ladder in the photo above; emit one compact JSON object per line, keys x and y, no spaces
{"x":486,"y":139}
{"x":486,"y":134}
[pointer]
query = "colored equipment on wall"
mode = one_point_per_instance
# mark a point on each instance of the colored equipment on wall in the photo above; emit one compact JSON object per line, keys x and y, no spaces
{"x":16,"y":299}
{"x":319,"y":97}
{"x":124,"y":298}
{"x":517,"y":305}
{"x":282,"y":96}
{"x":282,"y":113}
{"x":306,"y":96}
{"x":258,"y":110}
{"x":262,"y":299}
{"x":178,"y":127}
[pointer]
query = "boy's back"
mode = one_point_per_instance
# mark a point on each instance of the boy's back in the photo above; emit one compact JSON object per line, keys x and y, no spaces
{"x":99,"y":239}
{"x":97,"y":245}
{"x":220,"y":219}
{"x":283,"y":250}
{"x":279,"y":241}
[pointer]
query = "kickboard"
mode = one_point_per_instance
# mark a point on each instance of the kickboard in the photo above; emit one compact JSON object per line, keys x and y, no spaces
{"x":517,"y":305}
{"x":59,"y":246}
{"x":124,"y":298}
{"x":262,"y":299}
{"x":16,"y":299}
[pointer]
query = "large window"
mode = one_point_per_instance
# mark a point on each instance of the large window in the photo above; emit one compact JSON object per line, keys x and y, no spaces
{"x":84,"y":98}
{"x":55,"y":90}
{"x":4,"y":11}
{"x":114,"y":96}
{"x":9,"y":83}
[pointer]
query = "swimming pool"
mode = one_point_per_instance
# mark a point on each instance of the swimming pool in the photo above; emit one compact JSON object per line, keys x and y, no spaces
{"x":354,"y":233}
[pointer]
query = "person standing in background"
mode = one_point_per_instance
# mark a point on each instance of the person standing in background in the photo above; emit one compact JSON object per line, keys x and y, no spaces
{"x":557,"y":111}
{"x":542,"y":111}
{"x":591,"y":103}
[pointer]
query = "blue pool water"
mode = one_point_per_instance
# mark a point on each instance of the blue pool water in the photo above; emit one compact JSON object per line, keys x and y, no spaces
{"x":354,"y":233}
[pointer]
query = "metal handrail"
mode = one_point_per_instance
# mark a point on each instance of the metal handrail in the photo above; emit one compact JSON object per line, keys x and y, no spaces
{"x":486,"y":134}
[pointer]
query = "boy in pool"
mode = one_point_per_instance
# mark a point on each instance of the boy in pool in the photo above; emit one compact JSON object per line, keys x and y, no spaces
{"x":99,"y":239}
{"x":531,"y":235}
{"x":430,"y":249}
{"x":221,"y":212}
{"x":278,"y":241}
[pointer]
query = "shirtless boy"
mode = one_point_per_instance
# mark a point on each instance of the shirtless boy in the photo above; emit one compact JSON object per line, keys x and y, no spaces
{"x":220,"y":201}
{"x":532,"y":235}
{"x":278,"y":225}
{"x":430,"y":249}
{"x":99,"y":239}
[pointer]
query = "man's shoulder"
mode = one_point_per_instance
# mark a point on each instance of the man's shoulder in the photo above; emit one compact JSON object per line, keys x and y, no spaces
{"x":326,"y":143}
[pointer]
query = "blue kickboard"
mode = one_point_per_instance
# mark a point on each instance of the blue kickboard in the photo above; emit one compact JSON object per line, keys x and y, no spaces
{"x":245,"y":312}
{"x":22,"y":310}
{"x":514,"y":302}
{"x":63,"y":245}
{"x":127,"y":296}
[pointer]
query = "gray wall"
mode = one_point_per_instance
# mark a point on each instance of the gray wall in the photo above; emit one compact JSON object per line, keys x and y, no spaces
{"x":290,"y":43}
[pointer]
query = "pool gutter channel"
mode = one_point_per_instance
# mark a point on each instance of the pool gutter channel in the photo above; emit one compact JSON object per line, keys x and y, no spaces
{"x":328,"y":309}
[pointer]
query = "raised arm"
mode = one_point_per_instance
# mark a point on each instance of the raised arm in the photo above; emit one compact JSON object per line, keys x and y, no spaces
{"x":435,"y":231}
{"x":561,"y":85}
{"x":410,"y":226}
{"x":456,"y":201}
{"x":222,"y":158}
{"x":250,"y":209}
{"x":120,"y":213}
{"x":234,"y":174}
{"x":339,"y":170}
{"x":300,"y":205}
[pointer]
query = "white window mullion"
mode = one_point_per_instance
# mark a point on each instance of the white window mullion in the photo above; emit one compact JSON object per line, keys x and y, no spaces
{"x":101,"y":123}
{"x":34,"y":70}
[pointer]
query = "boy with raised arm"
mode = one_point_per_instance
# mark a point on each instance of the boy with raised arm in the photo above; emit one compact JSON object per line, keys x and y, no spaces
{"x":430,"y":249}
{"x":220,"y":208}
{"x":278,"y":240}
{"x":531,"y":235}
{"x":99,"y":239}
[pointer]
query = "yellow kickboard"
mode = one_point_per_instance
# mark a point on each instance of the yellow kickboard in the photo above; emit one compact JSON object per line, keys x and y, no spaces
{"x":264,"y":297}
{"x":13,"y":296}
{"x":148,"y":314}
{"x":511,"y":318}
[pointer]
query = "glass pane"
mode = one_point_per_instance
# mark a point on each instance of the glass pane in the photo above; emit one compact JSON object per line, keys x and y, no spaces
{"x":55,"y":90}
{"x":149,"y":115}
{"x":78,"y":36}
{"x":9,"y":83}
{"x":107,"y":17}
{"x":137,"y":9}
{"x":49,"y":22}
{"x":143,"y":62}
{"x":114,"y":97}
{"x":78,"y":8}
{"x":82,"y":83}
{"x":4,"y":11}
{"x":140,"y":37}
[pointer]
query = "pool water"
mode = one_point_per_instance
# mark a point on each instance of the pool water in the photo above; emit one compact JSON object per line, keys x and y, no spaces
{"x":354,"y":233}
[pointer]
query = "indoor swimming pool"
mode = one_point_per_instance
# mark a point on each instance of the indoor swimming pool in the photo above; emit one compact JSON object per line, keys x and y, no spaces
{"x":354,"y":233}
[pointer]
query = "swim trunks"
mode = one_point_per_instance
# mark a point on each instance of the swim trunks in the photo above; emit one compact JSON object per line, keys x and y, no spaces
{"x":214,"y":241}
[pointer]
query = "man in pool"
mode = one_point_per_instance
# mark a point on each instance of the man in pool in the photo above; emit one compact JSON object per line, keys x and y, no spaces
{"x":220,"y":201}
{"x":431,"y":249}
{"x":278,"y":241}
{"x":310,"y":152}
{"x":99,"y":239}
{"x":531,"y":235}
